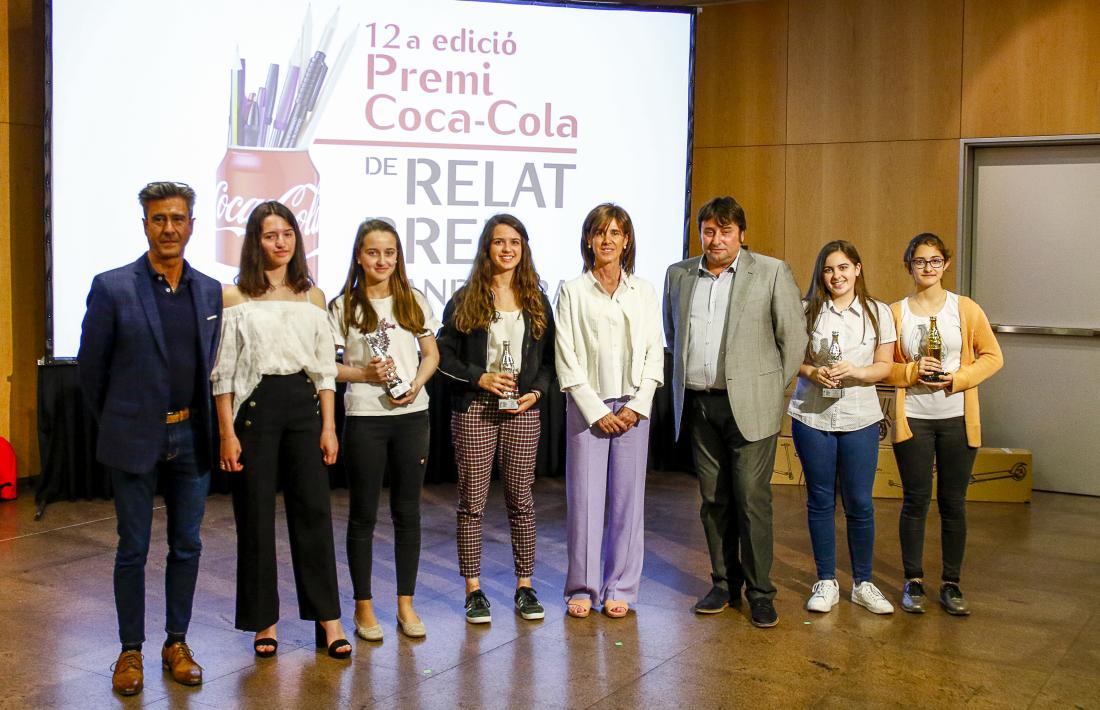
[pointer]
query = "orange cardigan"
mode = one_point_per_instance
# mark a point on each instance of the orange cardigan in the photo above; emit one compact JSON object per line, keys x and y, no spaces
{"x":981,"y":357}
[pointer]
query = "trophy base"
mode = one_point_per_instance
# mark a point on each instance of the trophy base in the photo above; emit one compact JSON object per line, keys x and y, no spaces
{"x":399,"y":390}
{"x":832,"y":392}
{"x":507,"y":404}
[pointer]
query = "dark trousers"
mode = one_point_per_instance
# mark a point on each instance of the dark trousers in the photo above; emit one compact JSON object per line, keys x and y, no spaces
{"x":279,"y":428}
{"x":370,"y":445}
{"x":185,"y":489}
{"x":847,"y":458}
{"x":735,"y":483}
{"x":943,"y":442}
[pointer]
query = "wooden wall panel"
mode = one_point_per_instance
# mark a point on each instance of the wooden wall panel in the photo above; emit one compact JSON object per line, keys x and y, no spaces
{"x":21,"y":80}
{"x":1031,"y":67}
{"x":869,"y":70}
{"x":754,"y":177}
{"x":740,"y":74}
{"x":875,"y":195}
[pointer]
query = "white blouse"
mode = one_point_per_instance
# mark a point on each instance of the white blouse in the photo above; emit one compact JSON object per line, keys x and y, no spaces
{"x":859,"y":407}
{"x":272,"y":338}
{"x":920,"y":401}
{"x":609,"y":346}
{"x":367,"y":398}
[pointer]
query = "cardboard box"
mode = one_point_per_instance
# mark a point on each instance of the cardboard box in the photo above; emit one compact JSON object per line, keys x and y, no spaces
{"x":999,"y":475}
{"x":885,"y":427}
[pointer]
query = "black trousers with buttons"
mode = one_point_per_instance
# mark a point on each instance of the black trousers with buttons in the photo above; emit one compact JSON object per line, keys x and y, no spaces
{"x":279,"y":427}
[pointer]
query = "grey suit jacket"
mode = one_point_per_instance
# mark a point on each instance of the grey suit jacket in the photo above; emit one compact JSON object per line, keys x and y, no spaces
{"x":765,"y":338}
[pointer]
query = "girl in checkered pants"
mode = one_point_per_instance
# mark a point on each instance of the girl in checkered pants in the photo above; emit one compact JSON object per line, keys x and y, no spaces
{"x":502,"y":302}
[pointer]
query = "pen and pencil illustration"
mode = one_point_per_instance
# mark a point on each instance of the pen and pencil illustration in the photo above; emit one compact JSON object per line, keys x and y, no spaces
{"x":271,"y":127}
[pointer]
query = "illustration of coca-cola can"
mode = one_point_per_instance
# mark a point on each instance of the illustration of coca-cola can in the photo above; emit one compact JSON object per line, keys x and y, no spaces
{"x":250,"y":176}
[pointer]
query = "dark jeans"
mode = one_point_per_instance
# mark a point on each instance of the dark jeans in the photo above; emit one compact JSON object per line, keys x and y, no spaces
{"x":185,"y":489}
{"x":943,"y":442}
{"x":735,"y":484}
{"x":370,"y":445}
{"x":849,"y":457}
{"x":279,"y":426}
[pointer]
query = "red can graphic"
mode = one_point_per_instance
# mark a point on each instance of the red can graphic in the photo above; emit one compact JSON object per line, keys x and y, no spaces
{"x":250,"y":176}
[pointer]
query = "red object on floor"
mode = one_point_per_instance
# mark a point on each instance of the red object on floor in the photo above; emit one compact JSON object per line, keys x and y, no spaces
{"x":7,"y":470}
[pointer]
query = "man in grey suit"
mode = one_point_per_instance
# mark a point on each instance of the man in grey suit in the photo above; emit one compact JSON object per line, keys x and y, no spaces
{"x":735,"y":324}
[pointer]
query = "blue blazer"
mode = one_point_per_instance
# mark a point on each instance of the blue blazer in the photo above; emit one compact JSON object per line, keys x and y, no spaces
{"x":123,"y":362}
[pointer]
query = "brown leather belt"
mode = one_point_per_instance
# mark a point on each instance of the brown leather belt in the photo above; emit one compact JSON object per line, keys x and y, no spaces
{"x":179,"y":416}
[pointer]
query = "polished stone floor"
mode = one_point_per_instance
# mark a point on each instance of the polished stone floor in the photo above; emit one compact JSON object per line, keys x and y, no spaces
{"x":1032,"y":576}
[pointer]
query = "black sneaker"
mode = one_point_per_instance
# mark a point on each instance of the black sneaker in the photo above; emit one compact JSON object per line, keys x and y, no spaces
{"x":951,"y":599}
{"x":912,"y":597}
{"x":716,"y":601}
{"x":763,"y":613}
{"x":477,"y":608}
{"x":527,"y":604}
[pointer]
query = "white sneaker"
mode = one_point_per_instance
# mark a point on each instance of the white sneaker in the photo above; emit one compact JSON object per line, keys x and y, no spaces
{"x":825,"y":595}
{"x":869,"y":597}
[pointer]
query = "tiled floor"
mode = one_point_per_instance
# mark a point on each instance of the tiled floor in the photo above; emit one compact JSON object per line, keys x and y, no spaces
{"x":1032,"y":575}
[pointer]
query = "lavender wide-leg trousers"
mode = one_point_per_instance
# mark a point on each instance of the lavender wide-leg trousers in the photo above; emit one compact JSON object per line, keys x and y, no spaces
{"x":604,"y":473}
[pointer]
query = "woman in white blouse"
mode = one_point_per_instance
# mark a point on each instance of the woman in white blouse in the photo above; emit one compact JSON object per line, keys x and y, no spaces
{"x":378,"y":305}
{"x":835,"y":419}
{"x":274,"y":383}
{"x":610,"y":360}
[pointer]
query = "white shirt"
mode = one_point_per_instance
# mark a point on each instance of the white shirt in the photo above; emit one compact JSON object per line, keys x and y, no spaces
{"x":706,"y":346}
{"x":367,"y":398}
{"x":507,"y":327}
{"x":272,"y":338}
{"x":609,"y":346}
{"x":920,"y":401}
{"x":859,"y":407}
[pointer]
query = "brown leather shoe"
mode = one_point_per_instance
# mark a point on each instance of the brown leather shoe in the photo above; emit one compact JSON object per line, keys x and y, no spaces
{"x":128,"y":676}
{"x":177,"y":658}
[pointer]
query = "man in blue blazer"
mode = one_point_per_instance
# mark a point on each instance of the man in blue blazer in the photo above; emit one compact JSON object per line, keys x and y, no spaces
{"x":146,"y":350}
{"x":734,"y":323}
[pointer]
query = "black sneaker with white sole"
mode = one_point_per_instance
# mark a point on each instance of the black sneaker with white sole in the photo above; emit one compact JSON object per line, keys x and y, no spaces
{"x":477,"y":608}
{"x":527,"y":604}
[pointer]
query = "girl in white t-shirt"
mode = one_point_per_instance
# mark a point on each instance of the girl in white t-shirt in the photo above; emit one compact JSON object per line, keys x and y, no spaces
{"x":937,"y":427}
{"x":835,"y":419}
{"x":386,"y":409}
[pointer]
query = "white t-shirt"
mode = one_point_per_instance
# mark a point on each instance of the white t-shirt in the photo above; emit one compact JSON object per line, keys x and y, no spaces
{"x":368,"y":399}
{"x":920,"y":401}
{"x":859,"y":407}
{"x":507,"y":327}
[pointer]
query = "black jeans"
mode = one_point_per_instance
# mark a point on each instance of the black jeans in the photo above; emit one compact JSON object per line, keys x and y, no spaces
{"x":185,"y":492}
{"x":370,"y":445}
{"x":279,"y":427}
{"x":942,"y":441}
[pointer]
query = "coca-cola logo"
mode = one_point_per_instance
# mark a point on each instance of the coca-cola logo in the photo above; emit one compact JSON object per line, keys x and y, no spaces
{"x":303,"y":200}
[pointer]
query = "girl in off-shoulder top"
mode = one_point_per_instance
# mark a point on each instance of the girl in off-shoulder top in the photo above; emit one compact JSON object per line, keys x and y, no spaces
{"x":274,"y":384}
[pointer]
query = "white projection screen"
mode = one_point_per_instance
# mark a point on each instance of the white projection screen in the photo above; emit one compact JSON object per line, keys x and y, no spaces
{"x":432,"y":114}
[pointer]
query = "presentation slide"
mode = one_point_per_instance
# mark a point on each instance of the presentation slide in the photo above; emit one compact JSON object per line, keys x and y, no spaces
{"x":432,"y":114}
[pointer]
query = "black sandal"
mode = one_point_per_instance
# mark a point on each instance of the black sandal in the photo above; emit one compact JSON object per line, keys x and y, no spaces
{"x":340,"y":649}
{"x":265,"y":642}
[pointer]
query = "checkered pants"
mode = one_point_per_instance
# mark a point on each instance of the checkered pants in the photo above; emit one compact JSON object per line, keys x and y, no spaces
{"x":479,"y":434}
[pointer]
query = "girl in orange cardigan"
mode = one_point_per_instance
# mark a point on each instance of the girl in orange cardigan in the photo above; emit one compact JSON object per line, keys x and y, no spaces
{"x":936,"y":418}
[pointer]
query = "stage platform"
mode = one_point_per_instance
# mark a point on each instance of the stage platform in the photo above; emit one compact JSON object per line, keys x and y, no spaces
{"x":1032,"y":576}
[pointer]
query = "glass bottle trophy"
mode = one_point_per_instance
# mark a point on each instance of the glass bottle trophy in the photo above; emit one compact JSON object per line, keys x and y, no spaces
{"x":509,"y":401}
{"x":934,"y":349}
{"x":379,"y":342}
{"x":832,"y":358}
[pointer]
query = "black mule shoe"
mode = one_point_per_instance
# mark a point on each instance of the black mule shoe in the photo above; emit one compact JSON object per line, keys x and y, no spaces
{"x":265,"y":642}
{"x":339,"y":649}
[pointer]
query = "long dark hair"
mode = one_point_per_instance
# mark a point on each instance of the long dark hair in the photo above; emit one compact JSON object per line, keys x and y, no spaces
{"x":251,"y":279}
{"x":818,"y":293}
{"x":596,"y":222}
{"x":474,"y":307}
{"x":358,"y":312}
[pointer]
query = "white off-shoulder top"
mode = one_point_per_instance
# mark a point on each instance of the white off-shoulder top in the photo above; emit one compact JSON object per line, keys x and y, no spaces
{"x":272,"y":338}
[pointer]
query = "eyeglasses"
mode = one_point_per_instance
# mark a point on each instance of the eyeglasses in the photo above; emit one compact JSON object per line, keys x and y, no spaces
{"x":935,"y":262}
